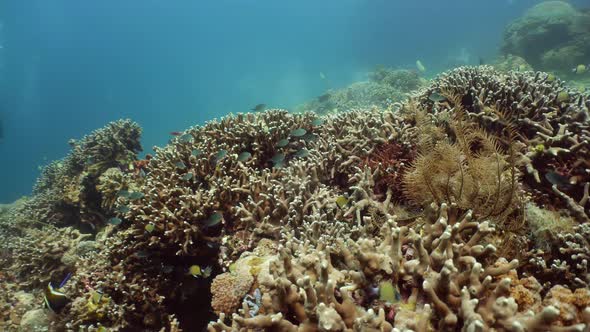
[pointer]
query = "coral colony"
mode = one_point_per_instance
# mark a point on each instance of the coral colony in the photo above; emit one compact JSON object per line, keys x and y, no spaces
{"x":399,"y":204}
{"x":467,"y":211}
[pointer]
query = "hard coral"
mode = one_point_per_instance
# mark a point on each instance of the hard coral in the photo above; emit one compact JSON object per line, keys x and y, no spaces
{"x":393,"y":158}
{"x":325,"y":287}
{"x":66,"y":192}
{"x":551,"y":121}
{"x":46,"y":254}
{"x":552,"y":35}
{"x":228,"y":290}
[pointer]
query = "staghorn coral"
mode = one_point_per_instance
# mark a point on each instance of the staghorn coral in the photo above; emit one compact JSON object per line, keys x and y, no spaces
{"x":66,"y":192}
{"x":551,"y":121}
{"x":250,"y":193}
{"x":46,"y":254}
{"x":565,"y":262}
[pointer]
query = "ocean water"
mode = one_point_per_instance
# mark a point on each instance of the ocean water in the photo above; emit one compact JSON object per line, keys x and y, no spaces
{"x":68,"y":67}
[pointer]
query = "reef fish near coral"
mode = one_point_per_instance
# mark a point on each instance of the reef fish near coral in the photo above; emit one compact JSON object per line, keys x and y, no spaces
{"x":420,"y":66}
{"x":258,"y":108}
{"x":53,"y":298}
{"x":580,"y":69}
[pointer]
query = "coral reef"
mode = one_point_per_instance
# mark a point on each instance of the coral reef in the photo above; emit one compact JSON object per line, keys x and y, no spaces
{"x":333,"y":286}
{"x":551,"y":36}
{"x":461,"y":208}
{"x":66,"y":193}
{"x":551,"y":119}
{"x":385,"y":85}
{"x":511,"y":62}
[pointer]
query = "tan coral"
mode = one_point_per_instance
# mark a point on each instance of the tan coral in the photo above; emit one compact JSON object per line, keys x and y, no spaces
{"x":228,"y":290}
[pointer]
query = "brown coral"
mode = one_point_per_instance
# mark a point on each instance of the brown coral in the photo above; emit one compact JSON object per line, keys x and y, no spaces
{"x":228,"y":291}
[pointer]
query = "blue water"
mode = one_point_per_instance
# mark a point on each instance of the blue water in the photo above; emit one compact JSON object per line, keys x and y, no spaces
{"x":71,"y":66}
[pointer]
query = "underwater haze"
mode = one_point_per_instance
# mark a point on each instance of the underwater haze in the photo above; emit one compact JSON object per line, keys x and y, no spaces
{"x":69,"y":67}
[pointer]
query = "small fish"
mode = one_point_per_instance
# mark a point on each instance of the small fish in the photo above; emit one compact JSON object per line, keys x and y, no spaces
{"x":207,"y":271}
{"x":323,"y":98}
{"x":123,"y":193}
{"x":188,"y":176}
{"x":580,"y":69}
{"x":186,"y":138}
{"x":550,"y":78}
{"x":141,"y":173}
{"x":96,"y":296}
{"x":298,"y":132}
{"x":123,"y":209}
{"x":563,"y":96}
{"x":317,"y":122}
{"x":244,"y":156}
{"x":142,"y":254}
{"x":388,"y":292}
{"x":115,"y":221}
{"x":136,"y":195}
{"x":559,"y":180}
{"x":279,"y":165}
{"x":420,"y":66}
{"x":213,"y":220}
{"x":54,"y":299}
{"x":302,"y":153}
{"x":282,"y":143}
{"x":180,"y":165}
{"x":258,"y":108}
{"x":322,"y":76}
{"x":175,"y":133}
{"x":278,"y":158}
{"x":481,"y":61}
{"x":196,"y":152}
{"x":102,"y":329}
{"x":310,"y":137}
{"x":167,"y":269}
{"x":220,"y":155}
{"x":150,"y":227}
{"x":341,"y":201}
{"x":522,"y":68}
{"x":436,"y":97}
{"x":195,"y":271}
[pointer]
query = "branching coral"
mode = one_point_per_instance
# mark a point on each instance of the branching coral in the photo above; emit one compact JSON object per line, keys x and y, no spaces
{"x":551,"y":121}
{"x":46,"y":254}
{"x":290,"y":222}
{"x":66,"y":193}
{"x":332,"y":286}
{"x":469,"y":169}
